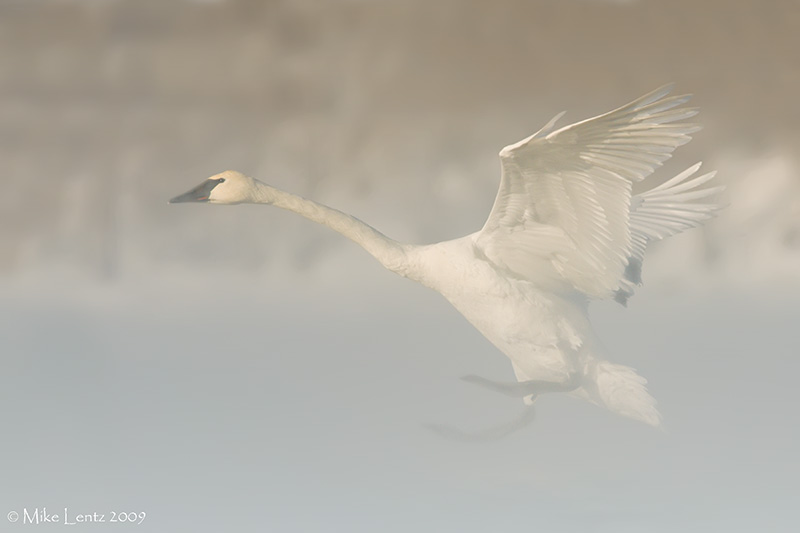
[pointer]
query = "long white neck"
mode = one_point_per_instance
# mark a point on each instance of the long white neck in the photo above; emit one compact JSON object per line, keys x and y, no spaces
{"x":390,"y":253}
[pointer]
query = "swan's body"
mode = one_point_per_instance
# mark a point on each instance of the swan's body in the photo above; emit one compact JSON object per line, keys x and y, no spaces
{"x":565,"y":229}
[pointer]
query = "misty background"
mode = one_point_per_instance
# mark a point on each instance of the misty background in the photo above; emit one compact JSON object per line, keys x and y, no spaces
{"x":240,"y":368}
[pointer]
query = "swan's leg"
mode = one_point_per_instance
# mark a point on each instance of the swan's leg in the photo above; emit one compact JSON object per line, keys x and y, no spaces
{"x":488,"y":434}
{"x":521,"y":389}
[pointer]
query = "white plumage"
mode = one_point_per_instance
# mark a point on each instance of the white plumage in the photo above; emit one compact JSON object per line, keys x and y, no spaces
{"x":565,"y":229}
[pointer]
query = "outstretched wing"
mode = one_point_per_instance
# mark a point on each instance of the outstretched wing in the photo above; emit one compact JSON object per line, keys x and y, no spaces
{"x":672,"y":207}
{"x":565,"y":196}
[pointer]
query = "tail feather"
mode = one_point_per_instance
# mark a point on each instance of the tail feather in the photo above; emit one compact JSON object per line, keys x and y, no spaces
{"x":621,"y":390}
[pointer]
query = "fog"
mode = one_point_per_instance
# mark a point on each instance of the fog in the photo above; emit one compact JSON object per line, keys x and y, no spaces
{"x":241,"y":369}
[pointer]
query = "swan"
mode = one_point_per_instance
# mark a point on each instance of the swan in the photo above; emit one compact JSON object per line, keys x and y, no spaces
{"x":565,"y":229}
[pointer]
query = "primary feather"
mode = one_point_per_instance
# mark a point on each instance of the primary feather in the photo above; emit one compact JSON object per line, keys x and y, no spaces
{"x":565,"y":196}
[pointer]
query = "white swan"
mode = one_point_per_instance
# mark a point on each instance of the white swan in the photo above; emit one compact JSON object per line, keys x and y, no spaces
{"x":565,"y":229}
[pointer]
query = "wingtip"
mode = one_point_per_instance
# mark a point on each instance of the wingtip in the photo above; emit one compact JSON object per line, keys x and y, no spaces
{"x":665,"y":88}
{"x":682,"y":98}
{"x":659,"y":93}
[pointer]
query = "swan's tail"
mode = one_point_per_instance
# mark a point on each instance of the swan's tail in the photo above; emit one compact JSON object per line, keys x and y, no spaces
{"x":621,"y":390}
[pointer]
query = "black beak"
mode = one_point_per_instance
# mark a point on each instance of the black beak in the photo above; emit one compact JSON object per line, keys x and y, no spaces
{"x":198,"y":194}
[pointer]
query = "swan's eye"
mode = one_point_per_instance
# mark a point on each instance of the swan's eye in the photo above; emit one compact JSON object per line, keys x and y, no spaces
{"x":221,"y":180}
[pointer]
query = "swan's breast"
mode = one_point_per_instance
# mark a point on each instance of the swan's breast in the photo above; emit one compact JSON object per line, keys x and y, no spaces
{"x":516,"y":315}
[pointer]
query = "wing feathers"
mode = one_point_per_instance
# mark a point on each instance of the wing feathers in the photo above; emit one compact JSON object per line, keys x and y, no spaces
{"x":665,"y":210}
{"x":571,"y":190}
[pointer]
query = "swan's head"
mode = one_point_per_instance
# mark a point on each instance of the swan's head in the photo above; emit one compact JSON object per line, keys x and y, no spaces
{"x":229,"y":187}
